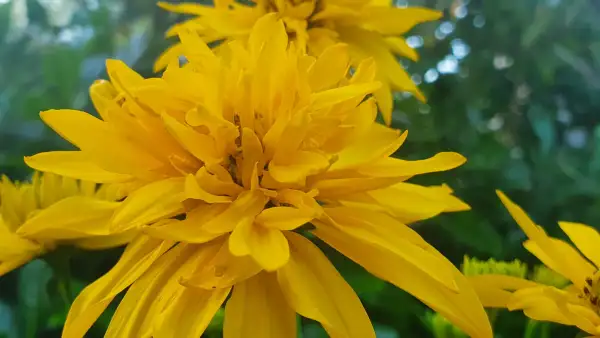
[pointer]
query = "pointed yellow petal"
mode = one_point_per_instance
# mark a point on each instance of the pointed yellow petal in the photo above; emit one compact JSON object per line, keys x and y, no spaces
{"x":258,"y":309}
{"x":252,"y":152}
{"x":152,"y":202}
{"x":399,"y":46}
{"x":142,"y":301}
{"x":73,"y":164}
{"x":550,"y":251}
{"x":394,"y":167}
{"x":298,"y":167}
{"x":247,"y":205}
{"x":189,"y":230}
{"x":330,"y":67}
{"x":316,"y":290}
{"x":223,"y":270}
{"x":495,"y":290}
{"x":170,"y":55}
{"x":578,"y":268}
{"x":585,"y":238}
{"x":462,"y":308}
{"x":284,"y":218}
{"x":397,"y":21}
{"x":201,"y":146}
{"x":331,"y":97}
{"x":190,"y":312}
{"x":92,"y":301}
{"x":70,"y":218}
{"x":186,"y":8}
{"x":384,"y":231}
{"x":375,"y":145}
{"x":268,"y":247}
{"x":11,"y":264}
{"x":194,"y":191}
{"x":410,"y":202}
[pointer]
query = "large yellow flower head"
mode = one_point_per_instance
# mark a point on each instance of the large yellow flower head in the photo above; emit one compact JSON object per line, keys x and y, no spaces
{"x":370,"y":28}
{"x":549,"y":299}
{"x":32,"y":212}
{"x":231,"y":162}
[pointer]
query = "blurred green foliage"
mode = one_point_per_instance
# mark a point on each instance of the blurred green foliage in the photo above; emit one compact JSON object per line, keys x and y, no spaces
{"x":512,"y":85}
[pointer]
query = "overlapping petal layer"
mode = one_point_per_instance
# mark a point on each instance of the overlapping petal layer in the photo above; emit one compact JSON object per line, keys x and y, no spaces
{"x":371,"y":29}
{"x":225,"y":160}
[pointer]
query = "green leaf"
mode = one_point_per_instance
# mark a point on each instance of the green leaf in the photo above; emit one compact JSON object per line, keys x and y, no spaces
{"x":543,"y":126}
{"x":474,"y":231}
{"x":33,"y":298}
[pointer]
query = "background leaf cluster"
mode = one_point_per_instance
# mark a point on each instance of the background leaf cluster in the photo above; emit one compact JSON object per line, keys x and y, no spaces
{"x":512,"y":85}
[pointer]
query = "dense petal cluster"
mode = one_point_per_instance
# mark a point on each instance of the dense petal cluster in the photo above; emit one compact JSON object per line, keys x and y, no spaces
{"x":32,"y":212}
{"x":576,"y":303}
{"x":369,"y":28}
{"x":230,"y":163}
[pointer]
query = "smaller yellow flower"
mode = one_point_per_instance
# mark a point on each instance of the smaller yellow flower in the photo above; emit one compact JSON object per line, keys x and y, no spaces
{"x":32,"y":212}
{"x":473,"y":267}
{"x":576,"y":304}
{"x":441,"y":327}
{"x":541,"y":274}
{"x":371,"y":29}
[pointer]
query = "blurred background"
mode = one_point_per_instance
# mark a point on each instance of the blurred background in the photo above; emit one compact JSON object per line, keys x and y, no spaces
{"x":512,"y":85}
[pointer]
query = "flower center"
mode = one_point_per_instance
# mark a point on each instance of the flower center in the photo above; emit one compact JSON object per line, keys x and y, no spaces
{"x":591,"y":290}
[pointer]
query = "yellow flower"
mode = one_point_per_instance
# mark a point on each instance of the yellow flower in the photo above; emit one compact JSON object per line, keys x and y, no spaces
{"x":30,"y":213}
{"x":575,"y":304}
{"x":370,"y":28}
{"x":229,"y":160}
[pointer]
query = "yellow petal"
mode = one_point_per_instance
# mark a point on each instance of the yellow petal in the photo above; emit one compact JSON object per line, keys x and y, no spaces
{"x":462,"y":308}
{"x":223,"y":270}
{"x":384,"y":231}
{"x":377,"y":143}
{"x":186,"y":8}
{"x":190,"y":312}
{"x":495,"y":290}
{"x":577,"y":269}
{"x":315,"y":290}
{"x":284,"y":218}
{"x":152,"y":202}
{"x":73,"y":164}
{"x":585,"y":238}
{"x":194,"y":191}
{"x":189,"y":230}
{"x":300,"y":165}
{"x":257,"y":308}
{"x":142,"y":301}
{"x":70,"y":218}
{"x":394,"y":167}
{"x":170,"y":55}
{"x":252,"y":153}
{"x":550,"y":251}
{"x":341,"y":188}
{"x":201,"y":146}
{"x":92,"y":301}
{"x":410,"y":202}
{"x":330,"y":67}
{"x":247,"y":205}
{"x":397,"y":21}
{"x":331,"y":97}
{"x":110,"y":150}
{"x":399,"y":46}
{"x":9,"y":265}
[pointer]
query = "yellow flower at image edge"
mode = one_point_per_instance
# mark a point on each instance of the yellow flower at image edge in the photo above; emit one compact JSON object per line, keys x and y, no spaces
{"x":370,"y":28}
{"x":227,"y":160}
{"x":32,"y":212}
{"x":577,"y":303}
